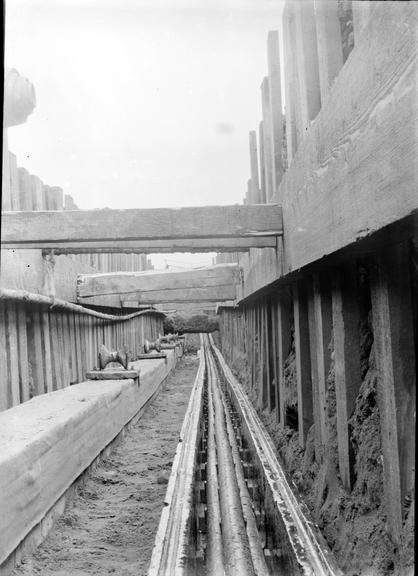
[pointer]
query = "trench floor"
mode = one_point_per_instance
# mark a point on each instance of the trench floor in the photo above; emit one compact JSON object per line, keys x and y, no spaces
{"x":110,"y":525}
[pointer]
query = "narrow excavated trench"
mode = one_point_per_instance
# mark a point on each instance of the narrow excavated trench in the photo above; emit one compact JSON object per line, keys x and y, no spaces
{"x":109,"y":526}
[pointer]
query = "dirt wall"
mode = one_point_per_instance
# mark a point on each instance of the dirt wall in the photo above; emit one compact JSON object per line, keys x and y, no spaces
{"x":353,"y":523}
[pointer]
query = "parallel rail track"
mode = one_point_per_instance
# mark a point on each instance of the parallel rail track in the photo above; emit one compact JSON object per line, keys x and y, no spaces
{"x":229,"y":508}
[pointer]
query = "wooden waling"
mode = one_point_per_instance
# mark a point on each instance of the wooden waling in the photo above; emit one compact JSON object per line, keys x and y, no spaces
{"x":63,"y":228}
{"x":208,"y":277}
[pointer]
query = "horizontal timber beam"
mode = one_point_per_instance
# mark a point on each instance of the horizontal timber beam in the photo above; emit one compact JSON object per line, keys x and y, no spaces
{"x":190,"y":295}
{"x":166,"y":246}
{"x":65,"y":228}
{"x":132,"y":282}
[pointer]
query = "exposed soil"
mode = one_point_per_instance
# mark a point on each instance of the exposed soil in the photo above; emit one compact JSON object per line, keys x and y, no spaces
{"x":110,"y":525}
{"x":353,"y":523}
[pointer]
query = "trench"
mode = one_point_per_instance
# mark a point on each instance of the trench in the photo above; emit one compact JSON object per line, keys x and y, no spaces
{"x":109,"y":525}
{"x":238,"y":515}
{"x":207,"y":499}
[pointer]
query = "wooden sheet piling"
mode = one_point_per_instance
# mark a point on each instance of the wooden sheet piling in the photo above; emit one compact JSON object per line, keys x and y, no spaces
{"x":345,"y":315}
{"x":283,"y":344}
{"x":395,"y":362}
{"x":303,"y":361}
{"x":276,"y":114}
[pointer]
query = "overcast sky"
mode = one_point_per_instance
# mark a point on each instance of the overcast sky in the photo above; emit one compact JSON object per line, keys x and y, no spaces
{"x":140,"y":103}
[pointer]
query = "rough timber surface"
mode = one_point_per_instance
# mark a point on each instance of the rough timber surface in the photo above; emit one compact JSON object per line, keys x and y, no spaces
{"x":43,"y":229}
{"x":354,"y":172}
{"x":182,"y":295}
{"x":166,"y":246}
{"x":128,"y":282}
{"x":109,"y":525}
{"x":112,"y":374}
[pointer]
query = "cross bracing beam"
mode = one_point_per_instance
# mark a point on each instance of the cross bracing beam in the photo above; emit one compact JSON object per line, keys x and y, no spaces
{"x":192,"y":228}
{"x":168,"y":282}
{"x":175,"y":296}
{"x":166,"y":246}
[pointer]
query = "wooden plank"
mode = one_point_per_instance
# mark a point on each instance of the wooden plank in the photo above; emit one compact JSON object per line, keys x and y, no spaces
{"x":276,"y":114}
{"x":95,"y":344}
{"x":262,"y":358}
{"x":330,"y":46}
{"x":13,"y":348}
{"x":259,"y":365}
{"x":66,"y":348}
{"x":253,"y":336}
{"x":83,"y":322}
{"x":79,"y":347}
{"x":6,"y":197}
{"x":153,"y":355}
{"x":43,"y":229}
{"x":105,"y":248}
{"x":283,"y":343}
{"x":14,"y":182}
{"x":261,"y":163}
{"x":333,"y":194}
{"x":309,"y":96}
{"x":255,"y":183}
{"x":303,"y":361}
{"x":37,"y":193}
{"x":72,"y":348}
{"x":268,"y":362}
{"x":267,"y":135}
{"x":322,"y":305}
{"x":25,"y":191}
{"x":91,"y":351}
{"x":112,"y":374}
{"x":248,"y":194}
{"x":345,"y":316}
{"x":35,"y":352}
{"x":290,"y":81}
{"x":150,"y":281}
{"x":396,"y":365}
{"x":57,"y":353}
{"x":4,"y":393}
{"x":69,"y":203}
{"x":262,"y":268}
{"x":23,"y":353}
{"x":275,"y":357}
{"x":57,"y":197}
{"x":48,"y":198}
{"x":192,"y":295}
{"x":316,"y":408}
{"x":46,"y":349}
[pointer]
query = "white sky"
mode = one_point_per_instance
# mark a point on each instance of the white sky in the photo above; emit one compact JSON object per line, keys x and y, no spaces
{"x":141,"y":103}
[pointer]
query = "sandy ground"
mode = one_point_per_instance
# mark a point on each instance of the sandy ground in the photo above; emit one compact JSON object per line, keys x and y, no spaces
{"x":110,"y":525}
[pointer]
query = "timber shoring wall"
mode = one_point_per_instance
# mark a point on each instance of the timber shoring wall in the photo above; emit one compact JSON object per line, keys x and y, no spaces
{"x":43,"y":348}
{"x":315,"y":354}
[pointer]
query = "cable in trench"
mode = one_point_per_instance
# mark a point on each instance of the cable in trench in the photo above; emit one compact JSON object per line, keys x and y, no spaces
{"x":243,"y":553}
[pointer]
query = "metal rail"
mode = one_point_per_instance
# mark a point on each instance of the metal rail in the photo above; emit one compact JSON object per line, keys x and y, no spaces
{"x":226,"y":487}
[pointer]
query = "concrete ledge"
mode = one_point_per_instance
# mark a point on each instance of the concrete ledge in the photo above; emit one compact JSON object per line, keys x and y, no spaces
{"x":48,"y":442}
